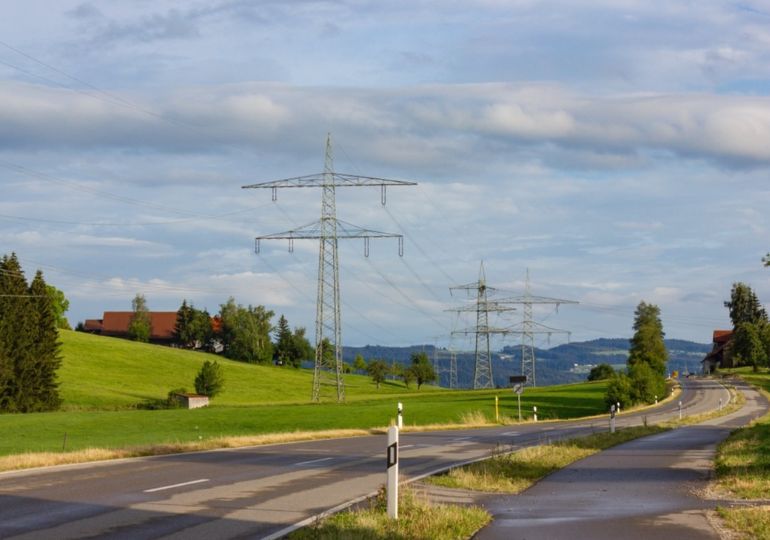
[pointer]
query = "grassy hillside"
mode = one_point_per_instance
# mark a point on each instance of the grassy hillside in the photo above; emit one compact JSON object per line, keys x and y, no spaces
{"x":103,"y":379}
{"x":109,"y":373}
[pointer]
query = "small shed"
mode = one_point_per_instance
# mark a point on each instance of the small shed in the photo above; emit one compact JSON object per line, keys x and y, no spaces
{"x":192,"y":401}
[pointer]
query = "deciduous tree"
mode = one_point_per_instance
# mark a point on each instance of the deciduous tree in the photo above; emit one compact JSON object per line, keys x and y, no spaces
{"x":744,"y":306}
{"x":140,"y":325}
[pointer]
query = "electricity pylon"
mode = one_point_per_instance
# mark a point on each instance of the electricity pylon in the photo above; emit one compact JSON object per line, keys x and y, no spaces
{"x":328,"y":323}
{"x":482,"y":371}
{"x":529,"y":327}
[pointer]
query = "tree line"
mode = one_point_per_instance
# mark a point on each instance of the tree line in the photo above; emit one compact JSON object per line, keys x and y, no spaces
{"x":29,"y":340}
{"x":238,"y":332}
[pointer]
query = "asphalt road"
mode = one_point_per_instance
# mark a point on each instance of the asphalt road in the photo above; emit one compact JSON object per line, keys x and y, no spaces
{"x":647,"y":488}
{"x":259,"y":492}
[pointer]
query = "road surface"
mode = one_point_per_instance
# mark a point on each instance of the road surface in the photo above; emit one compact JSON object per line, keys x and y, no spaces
{"x":258,"y":492}
{"x":647,"y":488}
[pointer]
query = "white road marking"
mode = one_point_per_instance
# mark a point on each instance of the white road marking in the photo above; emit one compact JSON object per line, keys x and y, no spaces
{"x":406,"y":446}
{"x":461,"y":439}
{"x":172,"y":486}
{"x":312,"y":461}
{"x":511,"y":433}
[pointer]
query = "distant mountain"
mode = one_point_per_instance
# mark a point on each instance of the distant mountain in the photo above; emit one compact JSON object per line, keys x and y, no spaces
{"x":565,"y":363}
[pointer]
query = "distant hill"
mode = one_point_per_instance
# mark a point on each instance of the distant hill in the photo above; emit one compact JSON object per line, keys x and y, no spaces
{"x":565,"y":363}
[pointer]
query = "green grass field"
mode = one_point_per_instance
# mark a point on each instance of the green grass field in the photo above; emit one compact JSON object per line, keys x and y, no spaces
{"x":103,"y":379}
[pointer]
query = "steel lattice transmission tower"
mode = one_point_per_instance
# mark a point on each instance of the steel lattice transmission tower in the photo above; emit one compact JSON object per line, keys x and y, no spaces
{"x":328,"y":230}
{"x":529,"y":327}
{"x":482,"y":306}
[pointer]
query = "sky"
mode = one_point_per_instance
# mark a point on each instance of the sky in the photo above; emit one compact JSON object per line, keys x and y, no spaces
{"x":619,"y":150}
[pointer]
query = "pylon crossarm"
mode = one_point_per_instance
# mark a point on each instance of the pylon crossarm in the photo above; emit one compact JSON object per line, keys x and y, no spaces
{"x":488,"y":306}
{"x":481,"y":330}
{"x":334,"y":179}
{"x":525,"y":299}
{"x":534,"y":327}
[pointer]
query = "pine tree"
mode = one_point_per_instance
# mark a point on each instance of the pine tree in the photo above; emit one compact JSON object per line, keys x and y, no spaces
{"x":284,"y":342}
{"x":16,"y":335}
{"x":183,"y":331}
{"x":46,"y":359}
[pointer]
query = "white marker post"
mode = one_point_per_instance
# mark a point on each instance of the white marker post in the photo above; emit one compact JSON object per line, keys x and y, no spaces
{"x":497,"y":410}
{"x":680,"y":410}
{"x":400,"y":420}
{"x":612,"y":418}
{"x":656,"y":400}
{"x":618,"y":409}
{"x":392,"y":486}
{"x":534,"y":410}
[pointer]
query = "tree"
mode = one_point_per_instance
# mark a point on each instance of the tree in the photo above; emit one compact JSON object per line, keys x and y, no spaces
{"x":183,"y":329}
{"x":407,"y":375}
{"x":29,"y":348}
{"x":246,"y":332}
{"x":140,"y":325}
{"x":422,"y":369}
{"x":60,"y":306}
{"x":283,"y":351}
{"x":377,"y":370}
{"x":303,"y":349}
{"x":619,"y":390}
{"x":646,"y":384}
{"x":210,"y":380}
{"x":43,"y":390}
{"x":744,"y":306}
{"x":359,"y":364}
{"x":747,"y":347}
{"x":647,"y":345}
{"x":601,"y":372}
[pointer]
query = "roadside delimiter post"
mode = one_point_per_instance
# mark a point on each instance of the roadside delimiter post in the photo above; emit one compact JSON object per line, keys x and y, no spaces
{"x":392,"y":487}
{"x":534,"y":413}
{"x":612,"y":418}
{"x":400,"y":421}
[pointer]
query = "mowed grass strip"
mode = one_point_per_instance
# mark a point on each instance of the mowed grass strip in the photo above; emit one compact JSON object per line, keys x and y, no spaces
{"x":515,"y":472}
{"x":418,"y":519}
{"x":743,"y":459}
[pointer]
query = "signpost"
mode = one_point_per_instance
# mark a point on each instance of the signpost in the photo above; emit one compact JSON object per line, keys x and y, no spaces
{"x":518,"y":387}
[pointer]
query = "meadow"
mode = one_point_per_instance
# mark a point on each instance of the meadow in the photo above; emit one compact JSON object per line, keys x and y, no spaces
{"x":104,"y":381}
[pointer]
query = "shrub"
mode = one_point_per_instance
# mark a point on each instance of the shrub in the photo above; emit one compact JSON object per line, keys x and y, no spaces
{"x":210,"y":379}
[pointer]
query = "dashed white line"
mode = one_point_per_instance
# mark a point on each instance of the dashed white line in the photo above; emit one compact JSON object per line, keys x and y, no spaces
{"x":312,"y":461}
{"x":172,"y":486}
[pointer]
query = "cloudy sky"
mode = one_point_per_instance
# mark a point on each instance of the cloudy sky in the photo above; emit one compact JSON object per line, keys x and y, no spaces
{"x":618,"y":149}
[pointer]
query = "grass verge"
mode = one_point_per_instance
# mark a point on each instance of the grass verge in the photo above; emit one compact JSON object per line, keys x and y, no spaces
{"x":743,"y":470}
{"x":417,"y":519}
{"x":514,"y":472}
{"x":751,"y":522}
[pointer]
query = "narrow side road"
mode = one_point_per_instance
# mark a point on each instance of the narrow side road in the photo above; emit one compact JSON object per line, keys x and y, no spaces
{"x":647,"y":488}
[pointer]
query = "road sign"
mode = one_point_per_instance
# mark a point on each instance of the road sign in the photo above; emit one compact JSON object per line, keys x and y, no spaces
{"x":517,"y":379}
{"x":518,"y":388}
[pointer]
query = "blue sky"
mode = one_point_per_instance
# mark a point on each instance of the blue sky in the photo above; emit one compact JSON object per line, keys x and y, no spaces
{"x":618,"y":149}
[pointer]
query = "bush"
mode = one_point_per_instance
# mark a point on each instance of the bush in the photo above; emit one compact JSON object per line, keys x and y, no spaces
{"x":646,"y":384}
{"x":210,"y":380}
{"x":601,"y":372}
{"x":619,"y":390}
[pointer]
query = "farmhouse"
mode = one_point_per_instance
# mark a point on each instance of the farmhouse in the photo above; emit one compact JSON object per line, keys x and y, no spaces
{"x":717,"y":357}
{"x":115,"y":324}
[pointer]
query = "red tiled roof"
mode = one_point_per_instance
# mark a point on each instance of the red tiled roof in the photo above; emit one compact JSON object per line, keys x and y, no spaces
{"x":92,"y":325}
{"x":722,"y":336}
{"x":115,"y":323}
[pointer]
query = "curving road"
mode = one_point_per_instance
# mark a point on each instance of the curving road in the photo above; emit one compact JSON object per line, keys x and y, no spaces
{"x":265,"y":491}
